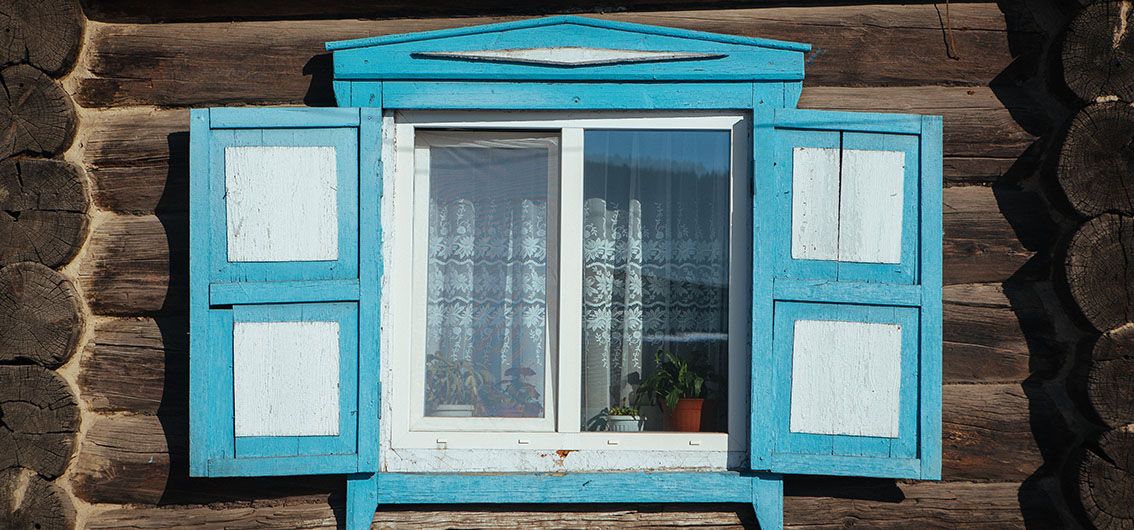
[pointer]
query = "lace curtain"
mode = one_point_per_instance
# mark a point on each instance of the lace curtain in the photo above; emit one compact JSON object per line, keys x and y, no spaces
{"x":487,"y":267}
{"x":655,"y":257}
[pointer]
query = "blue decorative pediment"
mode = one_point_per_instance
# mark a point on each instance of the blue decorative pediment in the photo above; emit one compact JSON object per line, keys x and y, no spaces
{"x":567,"y":48}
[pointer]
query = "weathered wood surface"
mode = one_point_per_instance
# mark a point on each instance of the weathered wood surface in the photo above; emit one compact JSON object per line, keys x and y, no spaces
{"x":991,"y":336}
{"x":33,"y":503}
{"x":145,"y":459}
{"x":137,"y":157}
{"x":39,"y":314}
{"x":140,"y":364}
{"x":136,"y":365}
{"x":1096,"y":162}
{"x":43,"y":211}
{"x":1098,"y":51}
{"x":1110,"y":384}
{"x":139,"y":458}
{"x":985,"y":506}
{"x":280,"y":62}
{"x":138,"y":264}
{"x":39,"y":419}
{"x":46,"y":34}
{"x":1106,"y":482}
{"x":36,"y":115}
{"x":1100,"y":270}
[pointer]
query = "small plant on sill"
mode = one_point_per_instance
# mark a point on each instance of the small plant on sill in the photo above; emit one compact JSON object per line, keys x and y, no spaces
{"x":623,"y":418}
{"x":454,"y":386}
{"x":520,"y":398}
{"x":679,"y":388}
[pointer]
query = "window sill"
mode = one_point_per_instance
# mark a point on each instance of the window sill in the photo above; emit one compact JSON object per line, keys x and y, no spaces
{"x":418,"y":460}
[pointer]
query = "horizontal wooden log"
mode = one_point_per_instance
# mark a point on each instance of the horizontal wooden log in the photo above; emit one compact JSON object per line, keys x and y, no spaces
{"x":44,"y":33}
{"x":138,"y":264}
{"x":1109,"y":388}
{"x":1097,"y":51}
{"x":142,"y":458}
{"x":34,"y":503}
{"x":39,"y":420}
{"x":991,"y":233}
{"x":40,"y":314}
{"x":145,"y":459}
{"x":36,"y":114}
{"x":284,"y":62}
{"x":140,"y":365}
{"x":137,"y":365}
{"x":995,"y":334}
{"x":1099,"y":270}
{"x":1106,"y":482}
{"x":44,"y":204}
{"x":137,"y":157}
{"x":996,"y":432}
{"x":928,"y":505}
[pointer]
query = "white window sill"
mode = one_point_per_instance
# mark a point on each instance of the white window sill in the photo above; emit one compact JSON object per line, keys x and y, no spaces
{"x":555,"y":461}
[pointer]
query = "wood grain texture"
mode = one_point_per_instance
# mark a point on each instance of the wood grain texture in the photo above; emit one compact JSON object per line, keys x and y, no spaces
{"x":137,"y":265}
{"x":200,"y":63}
{"x":1109,"y":387}
{"x":1096,"y":161}
{"x":137,"y":157}
{"x":991,"y":336}
{"x":40,"y":314}
{"x":36,"y":115}
{"x":846,"y":504}
{"x":44,"y":33}
{"x":985,"y":233}
{"x":136,"y":365}
{"x":144,"y":459}
{"x":34,"y":503}
{"x":1106,"y":482}
{"x":39,"y":419}
{"x":996,"y":432}
{"x":1098,"y":51}
{"x":1099,"y":270}
{"x":43,"y":211}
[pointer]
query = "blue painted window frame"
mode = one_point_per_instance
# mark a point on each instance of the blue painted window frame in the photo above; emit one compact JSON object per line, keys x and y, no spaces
{"x":759,"y":76}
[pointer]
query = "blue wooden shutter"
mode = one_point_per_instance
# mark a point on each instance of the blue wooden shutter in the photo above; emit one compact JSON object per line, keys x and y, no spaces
{"x":285,"y":259}
{"x":847,"y":294}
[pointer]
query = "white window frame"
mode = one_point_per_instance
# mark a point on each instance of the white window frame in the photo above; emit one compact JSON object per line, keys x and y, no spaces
{"x":411,"y":442}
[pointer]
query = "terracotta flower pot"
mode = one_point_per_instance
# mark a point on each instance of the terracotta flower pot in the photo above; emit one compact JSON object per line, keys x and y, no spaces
{"x":686,"y":417}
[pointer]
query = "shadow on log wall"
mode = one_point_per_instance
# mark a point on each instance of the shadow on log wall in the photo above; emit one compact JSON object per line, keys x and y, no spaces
{"x":139,"y":253}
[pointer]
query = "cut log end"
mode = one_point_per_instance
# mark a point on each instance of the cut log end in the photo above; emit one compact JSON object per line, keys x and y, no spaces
{"x":40,"y":315}
{"x":44,"y":33}
{"x":38,"y":420}
{"x":1098,"y":51}
{"x":43,"y":211}
{"x":1106,"y":482}
{"x":1100,"y":270}
{"x":1096,"y":163}
{"x":34,"y":502}
{"x":36,"y":115}
{"x":1108,"y":385}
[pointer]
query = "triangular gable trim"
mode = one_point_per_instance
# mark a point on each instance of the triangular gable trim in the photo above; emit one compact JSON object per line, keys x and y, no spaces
{"x":568,"y":19}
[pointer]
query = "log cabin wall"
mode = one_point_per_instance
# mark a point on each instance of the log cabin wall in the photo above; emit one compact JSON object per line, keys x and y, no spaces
{"x":1020,"y":418}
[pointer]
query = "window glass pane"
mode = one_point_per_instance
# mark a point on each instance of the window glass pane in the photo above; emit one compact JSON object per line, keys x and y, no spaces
{"x":487,"y":282}
{"x":656,"y":268}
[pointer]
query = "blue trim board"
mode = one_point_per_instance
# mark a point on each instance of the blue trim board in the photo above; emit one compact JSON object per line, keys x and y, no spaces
{"x":931,"y":310}
{"x":569,"y":20}
{"x":370,"y":293}
{"x":282,"y":118}
{"x":431,"y":95}
{"x":282,"y":292}
{"x":201,"y":414}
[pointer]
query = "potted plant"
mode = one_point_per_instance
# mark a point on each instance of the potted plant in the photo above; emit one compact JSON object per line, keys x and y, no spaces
{"x":520,"y":398}
{"x":677,"y":387}
{"x":454,"y":386}
{"x":621,"y":418}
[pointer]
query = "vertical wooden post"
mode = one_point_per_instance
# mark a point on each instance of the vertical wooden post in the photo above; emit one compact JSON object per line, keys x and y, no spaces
{"x":768,"y":501}
{"x":361,"y":500}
